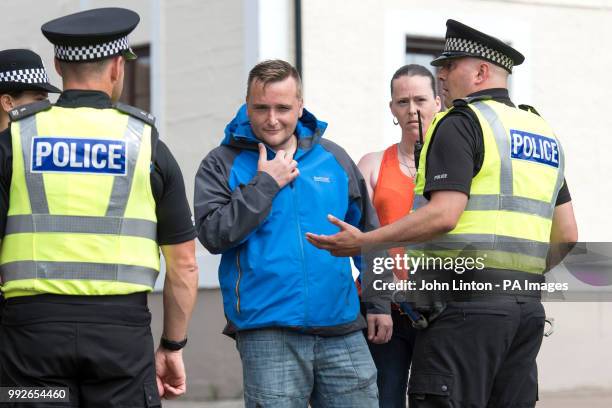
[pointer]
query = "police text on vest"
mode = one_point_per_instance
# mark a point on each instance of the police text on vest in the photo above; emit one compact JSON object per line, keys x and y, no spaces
{"x":535,"y":148}
{"x":75,"y":155}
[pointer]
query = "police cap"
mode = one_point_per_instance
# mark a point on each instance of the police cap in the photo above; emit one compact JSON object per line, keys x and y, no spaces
{"x":464,"y":41}
{"x":23,"y":70}
{"x":92,"y":35}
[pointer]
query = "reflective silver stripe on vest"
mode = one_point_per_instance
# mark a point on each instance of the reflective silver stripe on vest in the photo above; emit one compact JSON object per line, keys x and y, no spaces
{"x":80,"y":224}
{"x":503,"y":147}
{"x":560,"y":173}
{"x":34,"y":181}
{"x":123,"y":185}
{"x":78,"y":271}
{"x":484,"y":242}
{"x":493,"y":202}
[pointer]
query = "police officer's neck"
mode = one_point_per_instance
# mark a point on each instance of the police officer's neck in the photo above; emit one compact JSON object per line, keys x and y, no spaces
{"x":90,"y":85}
{"x":4,"y":120}
{"x":103,"y":76}
{"x":494,"y":80}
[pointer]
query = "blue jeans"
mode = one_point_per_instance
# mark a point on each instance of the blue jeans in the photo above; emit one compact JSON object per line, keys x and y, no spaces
{"x":392,"y":361}
{"x":284,"y":368}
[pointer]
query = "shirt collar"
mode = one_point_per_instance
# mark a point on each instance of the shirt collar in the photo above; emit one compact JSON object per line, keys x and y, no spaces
{"x":78,"y":98}
{"x":497,"y":94}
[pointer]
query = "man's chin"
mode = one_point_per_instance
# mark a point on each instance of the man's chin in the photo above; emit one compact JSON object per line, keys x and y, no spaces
{"x":278,"y":135}
{"x":273,"y":135}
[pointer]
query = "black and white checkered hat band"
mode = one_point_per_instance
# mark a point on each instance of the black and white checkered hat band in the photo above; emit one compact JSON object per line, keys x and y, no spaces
{"x":91,"y":52}
{"x":477,"y":49}
{"x":26,"y":76}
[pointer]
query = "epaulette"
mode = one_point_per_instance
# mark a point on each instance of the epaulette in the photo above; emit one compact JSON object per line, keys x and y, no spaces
{"x":28,"y":110}
{"x":471,"y":99}
{"x":136,"y":112}
{"x":528,"y":108}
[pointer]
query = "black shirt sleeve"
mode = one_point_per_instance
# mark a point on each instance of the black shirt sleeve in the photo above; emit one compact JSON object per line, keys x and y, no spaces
{"x":564,"y":194}
{"x":6,"y":170}
{"x":174,"y":221}
{"x":454,"y":155}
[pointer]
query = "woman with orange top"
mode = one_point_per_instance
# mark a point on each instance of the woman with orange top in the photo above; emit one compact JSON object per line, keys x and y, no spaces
{"x":389,"y":175}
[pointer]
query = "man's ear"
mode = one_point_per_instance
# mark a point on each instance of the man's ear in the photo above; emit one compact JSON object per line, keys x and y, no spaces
{"x":58,"y":67}
{"x":483,"y":73}
{"x":116,"y":68}
{"x":7,"y":102}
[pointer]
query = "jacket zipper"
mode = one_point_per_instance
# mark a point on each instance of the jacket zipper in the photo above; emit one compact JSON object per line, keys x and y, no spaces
{"x":237,"y":288}
{"x":299,"y":231}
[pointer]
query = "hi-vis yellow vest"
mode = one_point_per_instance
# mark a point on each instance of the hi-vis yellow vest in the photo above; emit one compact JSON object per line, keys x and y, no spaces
{"x":508,"y":217}
{"x":81,"y":218}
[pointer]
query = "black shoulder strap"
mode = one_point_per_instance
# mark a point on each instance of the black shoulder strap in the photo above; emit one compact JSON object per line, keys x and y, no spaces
{"x":28,"y":110}
{"x":471,"y":99}
{"x":529,"y":108}
{"x":154,"y":143}
{"x":135,"y":112}
{"x":460,"y":107}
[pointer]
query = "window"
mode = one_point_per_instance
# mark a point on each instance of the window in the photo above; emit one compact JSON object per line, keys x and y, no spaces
{"x":136,"y":85}
{"x":422,"y":50}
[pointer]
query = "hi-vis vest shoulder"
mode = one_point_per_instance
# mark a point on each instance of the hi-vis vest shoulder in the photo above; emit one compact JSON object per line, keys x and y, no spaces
{"x":508,"y":217}
{"x":81,"y":217}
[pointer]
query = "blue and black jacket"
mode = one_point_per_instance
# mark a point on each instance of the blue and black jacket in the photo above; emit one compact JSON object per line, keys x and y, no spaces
{"x":270,"y":275}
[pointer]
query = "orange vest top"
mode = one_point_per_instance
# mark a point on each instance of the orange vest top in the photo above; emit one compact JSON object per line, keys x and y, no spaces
{"x":393,"y":195}
{"x":394,"y":191}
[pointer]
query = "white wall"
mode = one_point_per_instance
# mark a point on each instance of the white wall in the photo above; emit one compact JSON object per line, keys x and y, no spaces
{"x":203,"y":54}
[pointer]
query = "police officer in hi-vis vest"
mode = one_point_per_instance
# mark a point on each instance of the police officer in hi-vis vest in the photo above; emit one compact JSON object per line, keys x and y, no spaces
{"x":93,"y":195}
{"x":23,"y":80}
{"x":489,"y":184}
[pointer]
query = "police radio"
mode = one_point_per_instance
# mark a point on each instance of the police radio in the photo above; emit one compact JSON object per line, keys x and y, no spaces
{"x":418,"y":146}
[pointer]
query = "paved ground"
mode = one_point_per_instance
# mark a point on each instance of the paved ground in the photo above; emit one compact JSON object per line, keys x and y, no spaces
{"x":576,"y":399}
{"x":565,"y":399}
{"x":216,"y":404}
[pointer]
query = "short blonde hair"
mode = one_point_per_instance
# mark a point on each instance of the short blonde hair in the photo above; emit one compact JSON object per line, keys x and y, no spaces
{"x":269,"y":71}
